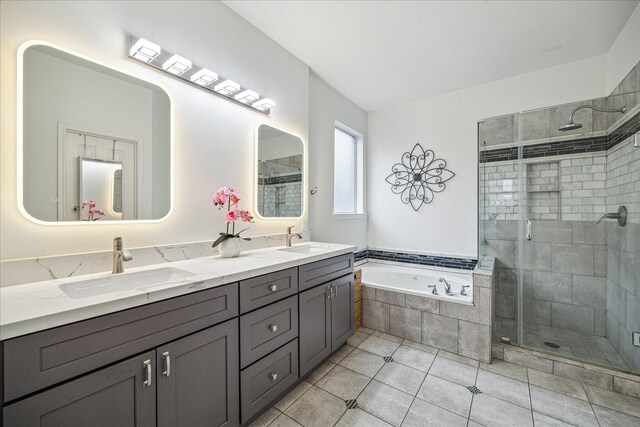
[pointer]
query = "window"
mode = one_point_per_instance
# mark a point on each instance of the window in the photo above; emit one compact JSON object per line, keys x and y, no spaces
{"x":347,"y":171}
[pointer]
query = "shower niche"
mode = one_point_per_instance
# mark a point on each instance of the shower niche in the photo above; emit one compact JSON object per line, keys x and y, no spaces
{"x":542,"y":190}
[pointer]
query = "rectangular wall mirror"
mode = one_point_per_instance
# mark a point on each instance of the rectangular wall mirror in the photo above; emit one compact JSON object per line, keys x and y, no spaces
{"x":91,"y":134}
{"x":280,"y":164}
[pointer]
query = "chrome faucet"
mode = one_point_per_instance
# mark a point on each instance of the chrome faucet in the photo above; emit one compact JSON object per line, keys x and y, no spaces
{"x":447,"y":286}
{"x":434,"y":289}
{"x":621,"y":216}
{"x":119,"y":256}
{"x":290,"y":236}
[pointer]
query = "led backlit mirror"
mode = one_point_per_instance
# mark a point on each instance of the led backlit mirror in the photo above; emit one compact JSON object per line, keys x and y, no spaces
{"x":93,"y":138}
{"x":280,"y":174}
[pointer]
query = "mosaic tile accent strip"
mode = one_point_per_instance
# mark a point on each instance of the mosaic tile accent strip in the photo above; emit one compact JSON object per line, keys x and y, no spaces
{"x":388,"y":359}
{"x":436,"y":261}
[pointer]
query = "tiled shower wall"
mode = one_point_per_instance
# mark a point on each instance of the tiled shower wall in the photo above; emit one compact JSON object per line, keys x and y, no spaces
{"x":623,"y":245}
{"x":578,"y":275}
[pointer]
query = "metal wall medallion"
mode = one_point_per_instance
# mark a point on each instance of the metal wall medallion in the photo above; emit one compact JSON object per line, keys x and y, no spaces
{"x":418,"y":176}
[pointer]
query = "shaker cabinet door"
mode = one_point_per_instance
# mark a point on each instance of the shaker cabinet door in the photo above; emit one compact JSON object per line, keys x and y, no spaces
{"x":342,"y":314}
{"x":122,"y":395}
{"x":198,"y":379}
{"x":314,"y":327}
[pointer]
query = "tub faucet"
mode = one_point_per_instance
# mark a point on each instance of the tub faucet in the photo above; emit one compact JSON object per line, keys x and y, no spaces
{"x":447,"y":286}
{"x":290,"y":236}
{"x":119,"y":256}
{"x":434,"y":290}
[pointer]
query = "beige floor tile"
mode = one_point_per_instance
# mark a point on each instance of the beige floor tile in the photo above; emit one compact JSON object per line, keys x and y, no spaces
{"x":401,"y":377}
{"x":363,"y":362}
{"x":360,"y":418}
{"x":446,"y":394}
{"x":494,"y":412}
{"x":424,"y":414}
{"x":343,"y":382}
{"x":316,"y":408}
{"x":610,"y":418}
{"x":385,"y":402}
{"x":379,"y":346}
{"x":265,"y":419}
{"x":560,"y":384}
{"x":292,"y":396}
{"x":562,"y":407}
{"x":507,"y":369}
{"x":505,"y":388}
{"x":453,"y":371}
{"x":320,"y":372}
{"x":414,"y":358}
{"x":610,"y":399}
{"x":341,"y":354}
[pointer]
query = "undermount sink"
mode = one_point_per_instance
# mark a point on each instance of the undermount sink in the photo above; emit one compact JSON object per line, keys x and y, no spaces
{"x":138,"y":281}
{"x":305,"y":249}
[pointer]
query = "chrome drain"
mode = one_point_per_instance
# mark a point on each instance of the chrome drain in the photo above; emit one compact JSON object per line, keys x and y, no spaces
{"x":551,"y":344}
{"x":388,"y":359}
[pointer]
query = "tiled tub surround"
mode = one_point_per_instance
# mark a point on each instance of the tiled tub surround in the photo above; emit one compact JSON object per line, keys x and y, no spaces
{"x":32,"y":307}
{"x":452,"y":326}
{"x":381,"y":380}
{"x":14,"y":272}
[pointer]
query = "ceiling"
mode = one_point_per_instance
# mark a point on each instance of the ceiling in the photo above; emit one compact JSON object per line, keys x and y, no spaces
{"x":381,"y":53}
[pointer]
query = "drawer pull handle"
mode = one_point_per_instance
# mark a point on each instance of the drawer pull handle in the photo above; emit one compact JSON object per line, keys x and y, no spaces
{"x":273,"y":328}
{"x":146,"y":365}
{"x":167,"y":364}
{"x":274,"y":376}
{"x":273,"y":288}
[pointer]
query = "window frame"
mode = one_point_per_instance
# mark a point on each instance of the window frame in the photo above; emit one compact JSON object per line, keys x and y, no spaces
{"x":358,"y":184}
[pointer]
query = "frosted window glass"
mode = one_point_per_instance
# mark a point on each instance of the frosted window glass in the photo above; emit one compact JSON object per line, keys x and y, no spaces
{"x":344,"y":173}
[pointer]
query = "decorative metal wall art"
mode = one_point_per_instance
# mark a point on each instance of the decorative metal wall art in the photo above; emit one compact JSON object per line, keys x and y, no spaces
{"x":418,"y":176}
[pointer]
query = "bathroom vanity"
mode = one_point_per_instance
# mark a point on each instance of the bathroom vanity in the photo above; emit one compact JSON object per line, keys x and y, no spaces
{"x":216,"y":348}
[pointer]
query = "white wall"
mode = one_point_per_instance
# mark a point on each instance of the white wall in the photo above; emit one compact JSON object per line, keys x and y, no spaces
{"x":326,"y":106}
{"x":447,"y":125}
{"x":214,"y":139}
{"x":625,"y":52}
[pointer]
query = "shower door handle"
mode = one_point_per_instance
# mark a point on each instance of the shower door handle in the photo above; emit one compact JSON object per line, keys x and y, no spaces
{"x":529,"y":228}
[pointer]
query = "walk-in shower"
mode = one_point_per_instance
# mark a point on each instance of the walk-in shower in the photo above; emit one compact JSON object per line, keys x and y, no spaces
{"x":564,"y":283}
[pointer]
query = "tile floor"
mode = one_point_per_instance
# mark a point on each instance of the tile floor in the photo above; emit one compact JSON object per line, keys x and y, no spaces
{"x":421,"y":386}
{"x":586,"y":348}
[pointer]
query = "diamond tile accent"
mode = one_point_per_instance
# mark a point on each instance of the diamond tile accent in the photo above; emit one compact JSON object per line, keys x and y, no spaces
{"x":351,"y":403}
{"x":473,"y":389}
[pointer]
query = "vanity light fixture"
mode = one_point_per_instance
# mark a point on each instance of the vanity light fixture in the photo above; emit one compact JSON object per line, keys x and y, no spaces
{"x":144,"y":50}
{"x":198,"y":76}
{"x":247,"y":96}
{"x":227,"y":87}
{"x":265,"y":104}
{"x":204,"y":77}
{"x":177,"y":65}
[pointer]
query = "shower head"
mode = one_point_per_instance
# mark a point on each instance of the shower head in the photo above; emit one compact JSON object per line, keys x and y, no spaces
{"x":570,"y":126}
{"x":573,"y":125}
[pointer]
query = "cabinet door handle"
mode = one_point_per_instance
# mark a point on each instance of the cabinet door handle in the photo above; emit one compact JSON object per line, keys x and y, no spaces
{"x":335,"y":290}
{"x":273,"y":287}
{"x":146,"y":365}
{"x":330,"y":291}
{"x":274,"y":376}
{"x":167,"y":364}
{"x":273,"y":328}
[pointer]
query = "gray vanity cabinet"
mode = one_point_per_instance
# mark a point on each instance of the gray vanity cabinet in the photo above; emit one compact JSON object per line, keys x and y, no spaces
{"x":197,"y":379}
{"x":115,"y":396}
{"x":326,"y":320}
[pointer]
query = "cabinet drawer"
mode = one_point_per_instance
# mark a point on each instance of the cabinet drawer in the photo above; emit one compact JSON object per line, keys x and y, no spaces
{"x":263,"y":290}
{"x":320,"y":272}
{"x":266,"y":329}
{"x":42,"y":359}
{"x":265,"y":380}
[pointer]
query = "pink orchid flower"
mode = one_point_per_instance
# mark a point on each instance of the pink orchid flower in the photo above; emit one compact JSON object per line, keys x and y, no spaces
{"x":231,"y":216}
{"x":245,"y":216}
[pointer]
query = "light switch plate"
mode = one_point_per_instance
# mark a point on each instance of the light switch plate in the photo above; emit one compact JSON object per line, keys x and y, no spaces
{"x":636,"y":338}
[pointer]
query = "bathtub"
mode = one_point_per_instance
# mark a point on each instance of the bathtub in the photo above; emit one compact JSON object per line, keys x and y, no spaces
{"x":415,"y":281}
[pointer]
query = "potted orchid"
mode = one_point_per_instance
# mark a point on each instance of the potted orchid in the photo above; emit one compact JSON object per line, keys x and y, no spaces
{"x":93,"y":214}
{"x":229,"y":242}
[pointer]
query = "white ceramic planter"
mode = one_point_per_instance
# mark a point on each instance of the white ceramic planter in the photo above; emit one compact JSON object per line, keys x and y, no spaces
{"x":230,"y":248}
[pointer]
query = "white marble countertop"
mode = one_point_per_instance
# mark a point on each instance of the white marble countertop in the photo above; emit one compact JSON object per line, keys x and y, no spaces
{"x":33,"y":307}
